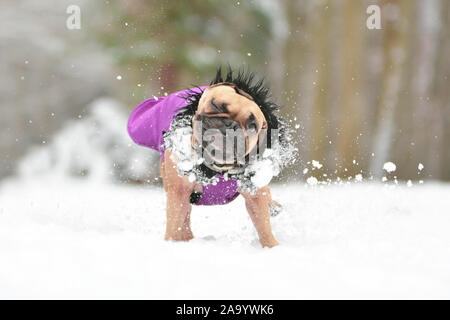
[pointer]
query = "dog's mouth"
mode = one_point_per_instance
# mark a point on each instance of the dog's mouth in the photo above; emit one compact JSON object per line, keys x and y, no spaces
{"x":224,"y":166}
{"x":231,"y":169}
{"x":221,"y":163}
{"x":221,"y":141}
{"x":216,"y":157}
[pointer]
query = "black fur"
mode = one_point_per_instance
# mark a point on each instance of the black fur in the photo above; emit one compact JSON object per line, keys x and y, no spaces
{"x":245,"y":81}
{"x":195,"y":196}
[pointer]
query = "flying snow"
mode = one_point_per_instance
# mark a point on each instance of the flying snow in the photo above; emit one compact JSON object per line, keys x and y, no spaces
{"x":352,"y":240}
{"x":264,"y":172}
{"x":312,"y":181}
{"x":250,"y":177}
{"x":389,"y":167}
{"x":317,"y":164}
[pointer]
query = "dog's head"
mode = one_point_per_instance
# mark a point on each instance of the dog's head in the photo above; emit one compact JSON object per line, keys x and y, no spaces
{"x":232,"y":118}
{"x":227,"y":126}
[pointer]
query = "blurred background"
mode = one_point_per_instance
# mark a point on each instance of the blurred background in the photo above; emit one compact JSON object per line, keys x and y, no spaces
{"x":356,"y":98}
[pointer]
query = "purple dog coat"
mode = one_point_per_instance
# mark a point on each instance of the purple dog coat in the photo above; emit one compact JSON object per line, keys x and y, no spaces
{"x":152,"y":118}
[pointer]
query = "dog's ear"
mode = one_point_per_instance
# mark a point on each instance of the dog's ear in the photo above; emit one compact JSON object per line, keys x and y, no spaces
{"x":265,"y":125}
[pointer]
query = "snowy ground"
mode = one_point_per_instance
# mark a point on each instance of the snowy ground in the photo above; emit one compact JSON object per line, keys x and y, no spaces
{"x":76,"y":239}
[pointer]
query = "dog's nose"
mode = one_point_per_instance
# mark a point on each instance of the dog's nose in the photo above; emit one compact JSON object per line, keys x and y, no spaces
{"x":228,"y":123}
{"x":231,"y":124}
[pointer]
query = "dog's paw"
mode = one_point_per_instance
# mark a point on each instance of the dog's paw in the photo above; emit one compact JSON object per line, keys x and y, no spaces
{"x":265,"y":243}
{"x":275,"y":208}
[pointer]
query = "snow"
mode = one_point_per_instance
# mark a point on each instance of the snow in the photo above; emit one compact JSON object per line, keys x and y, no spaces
{"x":263,"y":173}
{"x":77,"y":238}
{"x":389,"y":167}
{"x":420,"y":167}
{"x":70,"y":227}
{"x":312,"y":181}
{"x":97,"y":147}
{"x":182,"y":154}
{"x":263,"y":170}
{"x":316,"y":164}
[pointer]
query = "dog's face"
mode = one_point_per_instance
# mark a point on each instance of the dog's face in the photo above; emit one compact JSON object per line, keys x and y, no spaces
{"x":224,"y":109}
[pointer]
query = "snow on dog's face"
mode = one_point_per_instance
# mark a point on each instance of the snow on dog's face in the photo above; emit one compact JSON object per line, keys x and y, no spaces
{"x":227,"y":126}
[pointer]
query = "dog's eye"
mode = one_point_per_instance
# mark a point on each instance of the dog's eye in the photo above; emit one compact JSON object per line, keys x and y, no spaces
{"x":218,"y":107}
{"x":252,"y":128}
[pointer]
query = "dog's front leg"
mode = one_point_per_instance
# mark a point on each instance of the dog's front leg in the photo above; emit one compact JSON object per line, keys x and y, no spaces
{"x":258,"y":207}
{"x":178,"y":225}
{"x":179,"y":189}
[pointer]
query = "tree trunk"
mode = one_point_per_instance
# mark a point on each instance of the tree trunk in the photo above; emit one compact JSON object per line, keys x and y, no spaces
{"x":351,"y":49}
{"x":395,"y":43}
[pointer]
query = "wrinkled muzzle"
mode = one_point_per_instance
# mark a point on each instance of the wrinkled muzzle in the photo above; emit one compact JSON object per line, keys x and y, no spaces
{"x":222,"y":141}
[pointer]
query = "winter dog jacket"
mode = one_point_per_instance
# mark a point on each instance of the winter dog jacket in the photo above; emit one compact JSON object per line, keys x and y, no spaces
{"x":146,"y":127}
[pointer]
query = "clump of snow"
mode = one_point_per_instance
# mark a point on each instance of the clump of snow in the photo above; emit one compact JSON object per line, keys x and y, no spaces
{"x":312,"y":181}
{"x":420,"y":167}
{"x":96,"y":147}
{"x":263,"y":173}
{"x":260,"y":172}
{"x":178,"y":141}
{"x":359,"y":177}
{"x":389,"y":167}
{"x":180,"y":144}
{"x":316,"y":164}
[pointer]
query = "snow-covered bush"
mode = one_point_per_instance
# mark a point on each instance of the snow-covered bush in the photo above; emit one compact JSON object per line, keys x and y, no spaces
{"x":96,"y":147}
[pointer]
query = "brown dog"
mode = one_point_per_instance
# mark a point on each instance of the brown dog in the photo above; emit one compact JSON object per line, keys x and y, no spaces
{"x":179,"y":208}
{"x":222,"y":106}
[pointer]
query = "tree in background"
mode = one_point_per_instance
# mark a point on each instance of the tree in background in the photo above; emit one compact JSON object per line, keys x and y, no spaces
{"x":356,"y":97}
{"x":163,"y":46}
{"x":397,"y":21}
